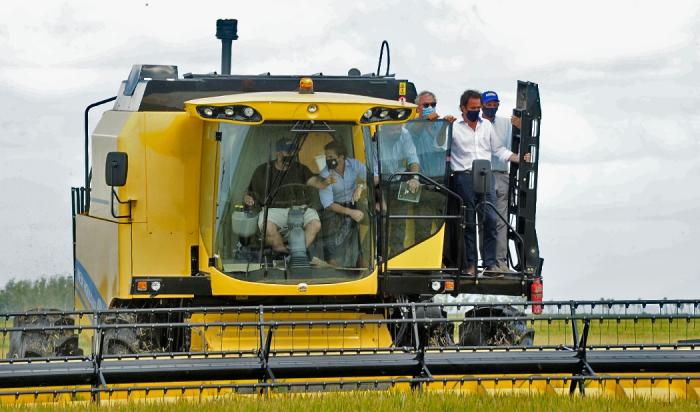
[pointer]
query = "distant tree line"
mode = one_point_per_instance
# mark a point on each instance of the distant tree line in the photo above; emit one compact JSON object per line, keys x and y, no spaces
{"x":54,"y":292}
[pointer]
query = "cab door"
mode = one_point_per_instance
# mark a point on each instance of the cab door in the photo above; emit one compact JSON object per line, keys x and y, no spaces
{"x":412,"y":166}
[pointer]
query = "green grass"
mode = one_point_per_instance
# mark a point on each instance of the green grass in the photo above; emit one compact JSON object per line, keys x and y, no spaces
{"x":613,"y":332}
{"x":390,"y":401}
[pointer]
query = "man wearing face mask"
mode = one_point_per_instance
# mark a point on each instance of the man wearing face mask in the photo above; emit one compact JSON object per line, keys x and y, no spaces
{"x":503,"y":128}
{"x":342,"y":212}
{"x":474,"y":138}
{"x":428,"y":139}
{"x":294,"y":173}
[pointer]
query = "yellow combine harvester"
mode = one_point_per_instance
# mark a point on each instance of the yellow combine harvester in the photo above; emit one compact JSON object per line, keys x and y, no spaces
{"x":167,"y":224}
{"x":212,"y":246}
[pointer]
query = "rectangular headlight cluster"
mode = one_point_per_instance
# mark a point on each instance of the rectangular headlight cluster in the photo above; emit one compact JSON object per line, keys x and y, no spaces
{"x":384,"y":114}
{"x":238,"y":113}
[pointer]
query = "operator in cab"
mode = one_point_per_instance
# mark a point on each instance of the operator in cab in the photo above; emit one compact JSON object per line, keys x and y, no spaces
{"x":283,"y":189}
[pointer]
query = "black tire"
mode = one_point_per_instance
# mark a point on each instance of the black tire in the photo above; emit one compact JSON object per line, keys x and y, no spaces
{"x":430,"y":334}
{"x":119,"y":341}
{"x":495,"y":333}
{"x":116,"y":347}
{"x":43,"y":343}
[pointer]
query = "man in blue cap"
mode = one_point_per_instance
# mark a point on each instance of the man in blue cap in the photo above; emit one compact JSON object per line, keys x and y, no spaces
{"x":286,"y":176}
{"x":503,"y":128}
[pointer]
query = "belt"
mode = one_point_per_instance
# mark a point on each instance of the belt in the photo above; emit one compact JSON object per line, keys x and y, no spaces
{"x":460,"y":172}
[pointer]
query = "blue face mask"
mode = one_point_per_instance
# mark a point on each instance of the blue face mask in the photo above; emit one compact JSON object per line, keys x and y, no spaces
{"x":427,"y":111}
{"x":489,"y":112}
{"x":472,"y":115}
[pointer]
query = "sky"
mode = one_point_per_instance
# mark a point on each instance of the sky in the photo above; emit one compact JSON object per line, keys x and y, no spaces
{"x":619,"y":193}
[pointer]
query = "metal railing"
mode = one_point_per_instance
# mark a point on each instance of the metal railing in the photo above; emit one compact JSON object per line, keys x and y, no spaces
{"x":582,"y":345}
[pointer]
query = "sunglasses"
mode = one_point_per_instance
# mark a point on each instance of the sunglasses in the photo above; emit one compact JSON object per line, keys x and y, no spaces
{"x":426,"y":105}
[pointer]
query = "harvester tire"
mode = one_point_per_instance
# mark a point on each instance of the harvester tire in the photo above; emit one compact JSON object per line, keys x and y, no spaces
{"x":119,"y":341}
{"x":495,"y":333}
{"x":430,"y":333}
{"x":43,"y":343}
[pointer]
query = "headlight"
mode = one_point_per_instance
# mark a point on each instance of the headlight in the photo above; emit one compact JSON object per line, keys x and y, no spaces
{"x":248,"y":111}
{"x":239,"y":113}
{"x":207,"y":111}
{"x":383,"y":114}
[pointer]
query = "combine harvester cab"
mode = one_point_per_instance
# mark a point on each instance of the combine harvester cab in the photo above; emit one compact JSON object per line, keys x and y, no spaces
{"x":208,"y":258}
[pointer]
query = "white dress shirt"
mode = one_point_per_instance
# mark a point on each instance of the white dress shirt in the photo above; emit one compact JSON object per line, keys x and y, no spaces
{"x":469,"y":144}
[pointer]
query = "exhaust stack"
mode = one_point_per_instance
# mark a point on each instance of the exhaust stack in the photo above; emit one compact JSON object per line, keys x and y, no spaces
{"x":226,"y":31}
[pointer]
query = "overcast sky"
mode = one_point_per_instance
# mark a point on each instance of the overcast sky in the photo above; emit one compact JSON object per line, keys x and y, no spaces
{"x":619,"y":195}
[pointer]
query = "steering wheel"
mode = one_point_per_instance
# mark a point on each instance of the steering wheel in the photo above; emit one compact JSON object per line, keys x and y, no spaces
{"x":301,"y":194}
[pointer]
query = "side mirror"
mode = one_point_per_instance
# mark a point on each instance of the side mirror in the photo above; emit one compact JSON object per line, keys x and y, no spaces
{"x":481,"y":176}
{"x":116,"y":168}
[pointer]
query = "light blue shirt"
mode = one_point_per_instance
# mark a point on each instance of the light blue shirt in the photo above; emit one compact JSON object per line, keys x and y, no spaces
{"x":345,"y":184}
{"x":432,"y":155}
{"x":504,"y":132}
{"x":397,"y":154}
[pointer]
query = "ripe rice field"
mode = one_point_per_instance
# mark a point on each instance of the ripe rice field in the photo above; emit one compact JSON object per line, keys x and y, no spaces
{"x":387,"y":401}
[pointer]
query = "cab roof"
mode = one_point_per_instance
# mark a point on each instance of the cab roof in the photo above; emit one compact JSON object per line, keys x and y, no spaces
{"x":296,"y":97}
{"x":159,"y":88}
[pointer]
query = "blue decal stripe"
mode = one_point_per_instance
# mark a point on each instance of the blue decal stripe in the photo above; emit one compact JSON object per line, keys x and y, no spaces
{"x":93,"y":299}
{"x":97,"y":200}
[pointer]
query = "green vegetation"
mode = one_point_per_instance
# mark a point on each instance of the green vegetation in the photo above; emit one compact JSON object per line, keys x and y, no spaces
{"x":391,"y":401}
{"x":55,"y":292}
{"x":614,"y":332}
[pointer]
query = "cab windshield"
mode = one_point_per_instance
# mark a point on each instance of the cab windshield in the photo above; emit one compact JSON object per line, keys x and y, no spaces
{"x":293,"y":203}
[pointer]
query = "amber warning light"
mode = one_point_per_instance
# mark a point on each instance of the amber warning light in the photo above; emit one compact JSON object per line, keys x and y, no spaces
{"x":306,"y":85}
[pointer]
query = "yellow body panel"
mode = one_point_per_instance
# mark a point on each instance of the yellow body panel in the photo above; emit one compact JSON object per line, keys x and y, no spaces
{"x":163,"y":180}
{"x":162,"y":243}
{"x":105,"y":139}
{"x":225,"y":285}
{"x":299,"y":337}
{"x":207,"y":197}
{"x":426,"y":254}
{"x":102,"y":266}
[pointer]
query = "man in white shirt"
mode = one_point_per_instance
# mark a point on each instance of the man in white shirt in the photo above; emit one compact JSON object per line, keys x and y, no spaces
{"x":504,"y":131}
{"x":474,"y":138}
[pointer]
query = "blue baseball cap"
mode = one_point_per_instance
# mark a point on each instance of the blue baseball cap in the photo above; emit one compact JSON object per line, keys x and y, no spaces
{"x":284,"y":145}
{"x":489,"y":96}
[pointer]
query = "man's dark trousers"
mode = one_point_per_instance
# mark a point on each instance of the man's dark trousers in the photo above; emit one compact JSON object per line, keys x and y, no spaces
{"x":463,"y":186}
